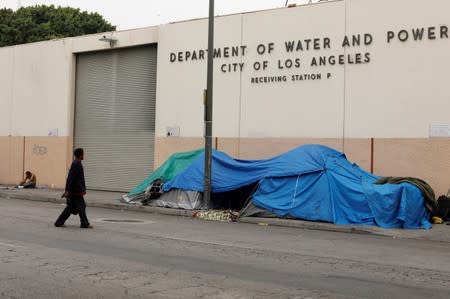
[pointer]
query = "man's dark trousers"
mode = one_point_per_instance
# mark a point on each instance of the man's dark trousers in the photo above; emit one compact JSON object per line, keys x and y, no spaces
{"x":75,"y":204}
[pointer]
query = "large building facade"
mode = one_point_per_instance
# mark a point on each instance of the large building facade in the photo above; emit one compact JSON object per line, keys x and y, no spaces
{"x":369,"y":78}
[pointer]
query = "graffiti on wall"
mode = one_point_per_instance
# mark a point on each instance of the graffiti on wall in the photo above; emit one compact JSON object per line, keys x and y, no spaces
{"x":40,"y":150}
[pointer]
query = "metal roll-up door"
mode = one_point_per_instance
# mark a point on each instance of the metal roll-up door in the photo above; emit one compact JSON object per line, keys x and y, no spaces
{"x":115,"y":116}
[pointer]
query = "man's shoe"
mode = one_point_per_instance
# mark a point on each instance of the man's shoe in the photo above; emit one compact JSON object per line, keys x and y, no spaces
{"x":86,"y":226}
{"x":59,"y":225}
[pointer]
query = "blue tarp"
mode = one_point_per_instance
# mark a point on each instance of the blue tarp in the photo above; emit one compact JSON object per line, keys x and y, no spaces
{"x":312,"y":182}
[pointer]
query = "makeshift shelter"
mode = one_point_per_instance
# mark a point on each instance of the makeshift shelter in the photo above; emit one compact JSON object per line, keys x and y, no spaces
{"x":172,"y":166}
{"x":311,"y":182}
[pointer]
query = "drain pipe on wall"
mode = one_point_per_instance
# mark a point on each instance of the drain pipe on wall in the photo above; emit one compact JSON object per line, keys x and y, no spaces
{"x":23,"y":157}
{"x":371,"y":154}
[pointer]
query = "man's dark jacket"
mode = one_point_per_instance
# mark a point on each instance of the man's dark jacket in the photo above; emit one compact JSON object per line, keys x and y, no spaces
{"x":75,"y":184}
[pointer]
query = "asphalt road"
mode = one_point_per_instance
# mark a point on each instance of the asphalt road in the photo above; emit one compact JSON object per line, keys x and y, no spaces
{"x":178,"y":257}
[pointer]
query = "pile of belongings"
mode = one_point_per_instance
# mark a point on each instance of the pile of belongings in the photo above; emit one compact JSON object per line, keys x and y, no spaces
{"x":217,"y":215}
{"x":441,"y":213}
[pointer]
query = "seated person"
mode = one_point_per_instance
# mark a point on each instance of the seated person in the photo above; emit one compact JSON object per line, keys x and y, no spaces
{"x":29,"y":181}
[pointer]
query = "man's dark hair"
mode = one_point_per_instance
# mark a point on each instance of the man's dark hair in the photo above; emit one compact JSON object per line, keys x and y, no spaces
{"x":28,"y":172}
{"x":78,"y":152}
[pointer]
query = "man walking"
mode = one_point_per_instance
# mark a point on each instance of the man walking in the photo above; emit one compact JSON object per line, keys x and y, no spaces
{"x":75,"y":190}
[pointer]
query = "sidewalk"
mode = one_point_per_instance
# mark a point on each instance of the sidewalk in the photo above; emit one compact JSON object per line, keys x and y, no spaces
{"x":111,"y":200}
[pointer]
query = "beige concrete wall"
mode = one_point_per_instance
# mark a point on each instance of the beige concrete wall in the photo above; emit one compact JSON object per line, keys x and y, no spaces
{"x":12,"y":161}
{"x":166,"y":146}
{"x":243,"y":109}
{"x":428,"y":159}
{"x":49,"y":159}
{"x":41,"y":89}
{"x":181,"y":84}
{"x":356,"y":150}
{"x":399,"y":93}
{"x":243,"y":148}
{"x":6,"y":89}
{"x":292,"y":109}
{"x":404,"y":89}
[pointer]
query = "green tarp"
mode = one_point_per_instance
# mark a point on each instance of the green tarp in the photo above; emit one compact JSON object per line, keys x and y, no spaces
{"x":173,"y":165}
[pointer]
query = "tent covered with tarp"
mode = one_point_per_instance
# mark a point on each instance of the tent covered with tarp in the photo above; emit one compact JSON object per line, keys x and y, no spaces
{"x":311,"y":182}
{"x":171,"y":167}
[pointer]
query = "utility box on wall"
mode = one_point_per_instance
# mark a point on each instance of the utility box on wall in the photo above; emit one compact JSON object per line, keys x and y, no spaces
{"x":440,"y":130}
{"x":173,"y":131}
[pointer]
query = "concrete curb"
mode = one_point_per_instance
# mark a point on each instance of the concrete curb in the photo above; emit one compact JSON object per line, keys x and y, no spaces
{"x":32,"y":197}
{"x":144,"y":209}
{"x":307,"y":225}
{"x":114,"y":206}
